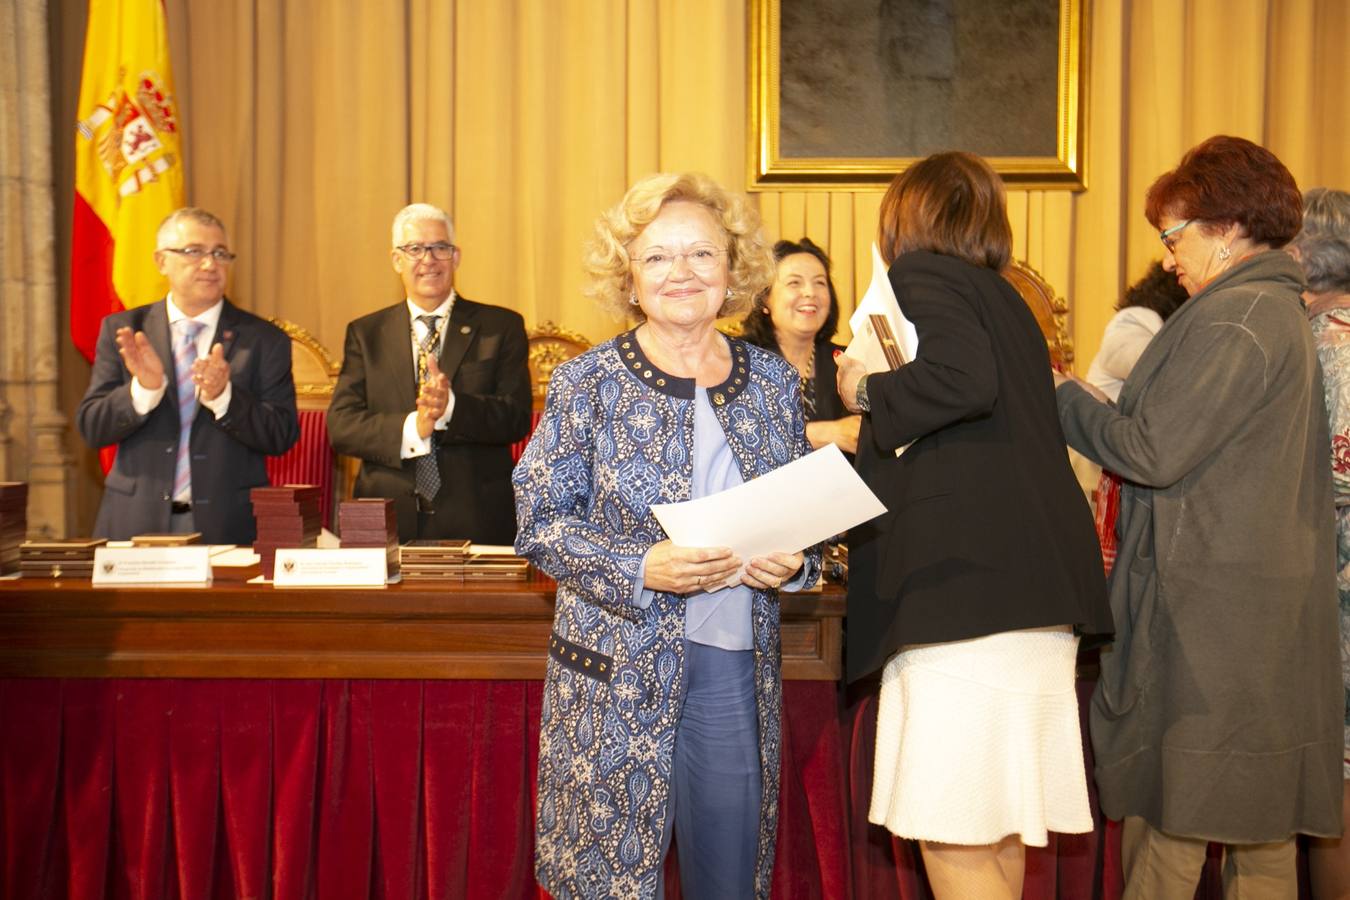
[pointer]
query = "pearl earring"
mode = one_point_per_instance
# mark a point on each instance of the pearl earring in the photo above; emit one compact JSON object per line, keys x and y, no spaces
{"x":632,"y":298}
{"x":1224,"y":253}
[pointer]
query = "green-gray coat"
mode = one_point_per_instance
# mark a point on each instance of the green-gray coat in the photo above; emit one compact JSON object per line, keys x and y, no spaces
{"x":1218,"y":712}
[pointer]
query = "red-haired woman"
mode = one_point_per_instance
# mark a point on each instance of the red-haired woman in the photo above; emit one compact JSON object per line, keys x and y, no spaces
{"x":970,"y":593}
{"x":1217,"y":715}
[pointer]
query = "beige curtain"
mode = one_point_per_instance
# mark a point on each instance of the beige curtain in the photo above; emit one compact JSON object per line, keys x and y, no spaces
{"x":310,"y":122}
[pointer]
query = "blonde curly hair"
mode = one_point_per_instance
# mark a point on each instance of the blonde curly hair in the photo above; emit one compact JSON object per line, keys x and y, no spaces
{"x":749,"y":261}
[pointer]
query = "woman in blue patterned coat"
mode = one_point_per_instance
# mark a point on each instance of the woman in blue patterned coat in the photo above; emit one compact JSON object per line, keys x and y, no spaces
{"x":663,"y":693}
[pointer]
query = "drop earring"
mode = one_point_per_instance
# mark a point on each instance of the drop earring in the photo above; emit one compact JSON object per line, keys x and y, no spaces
{"x":632,"y":297}
{"x":1225,"y":253}
{"x":728,"y":293}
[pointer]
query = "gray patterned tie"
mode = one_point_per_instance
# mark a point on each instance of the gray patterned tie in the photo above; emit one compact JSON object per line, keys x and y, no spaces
{"x":427,"y":471}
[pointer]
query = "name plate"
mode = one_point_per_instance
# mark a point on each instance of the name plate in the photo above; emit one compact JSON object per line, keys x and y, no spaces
{"x":152,"y":565}
{"x":338,"y":567}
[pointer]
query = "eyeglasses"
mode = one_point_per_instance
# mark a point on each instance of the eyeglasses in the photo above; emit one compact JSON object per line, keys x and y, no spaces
{"x":439,"y":250}
{"x":1167,"y":234}
{"x":657,"y":263}
{"x":220,"y":256}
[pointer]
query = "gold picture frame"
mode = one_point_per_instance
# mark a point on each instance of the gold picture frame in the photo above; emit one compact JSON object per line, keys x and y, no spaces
{"x":818,"y":165}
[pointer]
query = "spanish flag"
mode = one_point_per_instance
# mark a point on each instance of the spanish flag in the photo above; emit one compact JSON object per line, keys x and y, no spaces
{"x":128,"y":163}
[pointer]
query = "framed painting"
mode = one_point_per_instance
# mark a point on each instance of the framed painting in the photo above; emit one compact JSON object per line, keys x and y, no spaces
{"x":846,"y":93}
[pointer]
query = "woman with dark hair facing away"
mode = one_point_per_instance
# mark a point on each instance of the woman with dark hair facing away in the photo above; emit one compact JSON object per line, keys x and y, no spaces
{"x":971,"y":591}
{"x":796,"y":317}
{"x":1139,"y":316}
{"x":1322,"y":248}
{"x":1217,"y":716}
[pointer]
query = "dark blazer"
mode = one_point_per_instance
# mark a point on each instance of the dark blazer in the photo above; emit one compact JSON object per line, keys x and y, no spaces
{"x":484,"y":354}
{"x":228,"y":455}
{"x":986,"y":529}
{"x":828,"y":405}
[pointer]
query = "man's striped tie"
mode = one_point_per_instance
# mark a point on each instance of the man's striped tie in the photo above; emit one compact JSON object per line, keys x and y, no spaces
{"x":426,"y":469}
{"x":184,"y":355}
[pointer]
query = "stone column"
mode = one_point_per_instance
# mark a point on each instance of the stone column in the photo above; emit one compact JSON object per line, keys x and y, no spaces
{"x":32,"y":425}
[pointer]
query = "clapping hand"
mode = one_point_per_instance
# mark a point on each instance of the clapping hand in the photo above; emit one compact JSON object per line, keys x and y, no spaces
{"x":211,"y":373}
{"x":140,"y":358}
{"x":432,"y":399}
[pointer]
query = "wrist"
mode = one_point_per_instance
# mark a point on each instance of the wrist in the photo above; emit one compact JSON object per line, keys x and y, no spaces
{"x":860,"y":398}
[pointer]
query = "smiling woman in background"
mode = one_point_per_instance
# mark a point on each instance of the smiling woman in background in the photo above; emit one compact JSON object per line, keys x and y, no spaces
{"x":796,"y":318}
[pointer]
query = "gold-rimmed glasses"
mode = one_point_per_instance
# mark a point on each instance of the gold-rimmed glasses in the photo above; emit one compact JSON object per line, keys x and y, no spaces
{"x":656,"y":262}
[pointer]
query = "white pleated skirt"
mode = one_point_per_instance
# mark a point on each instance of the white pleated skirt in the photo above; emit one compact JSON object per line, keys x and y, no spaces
{"x":979,"y":739}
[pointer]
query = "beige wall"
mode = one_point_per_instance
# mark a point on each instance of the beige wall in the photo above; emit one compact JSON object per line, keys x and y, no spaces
{"x":309,"y":123}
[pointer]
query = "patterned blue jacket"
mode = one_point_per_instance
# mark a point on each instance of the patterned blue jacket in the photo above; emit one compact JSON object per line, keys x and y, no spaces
{"x":615,"y":438}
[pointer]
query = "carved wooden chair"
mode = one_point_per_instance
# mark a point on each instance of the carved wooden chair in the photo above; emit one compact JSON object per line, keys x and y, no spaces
{"x":1051,"y":311}
{"x":550,"y":345}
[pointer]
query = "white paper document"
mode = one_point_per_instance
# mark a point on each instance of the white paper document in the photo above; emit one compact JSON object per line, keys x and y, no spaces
{"x":880,"y":300}
{"x":789,"y":509}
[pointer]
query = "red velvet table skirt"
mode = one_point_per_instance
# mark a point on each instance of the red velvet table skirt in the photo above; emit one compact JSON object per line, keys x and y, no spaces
{"x":169,"y":788}
{"x":172,"y":789}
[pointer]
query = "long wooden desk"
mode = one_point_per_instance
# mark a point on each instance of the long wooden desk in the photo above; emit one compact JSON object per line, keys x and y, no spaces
{"x":452,"y":630}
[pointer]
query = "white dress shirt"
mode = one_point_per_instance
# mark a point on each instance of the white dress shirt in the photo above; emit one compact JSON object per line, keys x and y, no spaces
{"x":143,"y":399}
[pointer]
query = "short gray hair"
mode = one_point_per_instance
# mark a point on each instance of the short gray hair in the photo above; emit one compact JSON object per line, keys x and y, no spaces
{"x":191,"y":214}
{"x":419,"y":212}
{"x":1324,"y":243}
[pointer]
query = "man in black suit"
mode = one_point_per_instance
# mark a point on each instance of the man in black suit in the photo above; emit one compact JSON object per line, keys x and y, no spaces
{"x":433,"y":392}
{"x":194,"y":391}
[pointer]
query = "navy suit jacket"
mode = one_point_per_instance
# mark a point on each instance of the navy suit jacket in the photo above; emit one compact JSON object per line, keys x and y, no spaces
{"x":228,"y":455}
{"x":485,"y":356}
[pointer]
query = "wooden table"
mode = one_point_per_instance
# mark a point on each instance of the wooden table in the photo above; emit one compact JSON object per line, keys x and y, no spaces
{"x":450,"y":630}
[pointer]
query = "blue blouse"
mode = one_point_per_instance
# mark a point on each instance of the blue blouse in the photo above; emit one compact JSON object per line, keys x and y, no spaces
{"x":719,"y":618}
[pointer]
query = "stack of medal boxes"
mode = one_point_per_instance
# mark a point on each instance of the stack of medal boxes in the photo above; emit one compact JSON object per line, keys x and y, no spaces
{"x":287,"y":516}
{"x":370,"y":522}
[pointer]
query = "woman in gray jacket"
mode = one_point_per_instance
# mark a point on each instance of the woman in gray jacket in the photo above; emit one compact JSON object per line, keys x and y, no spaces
{"x":1217,"y":716}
